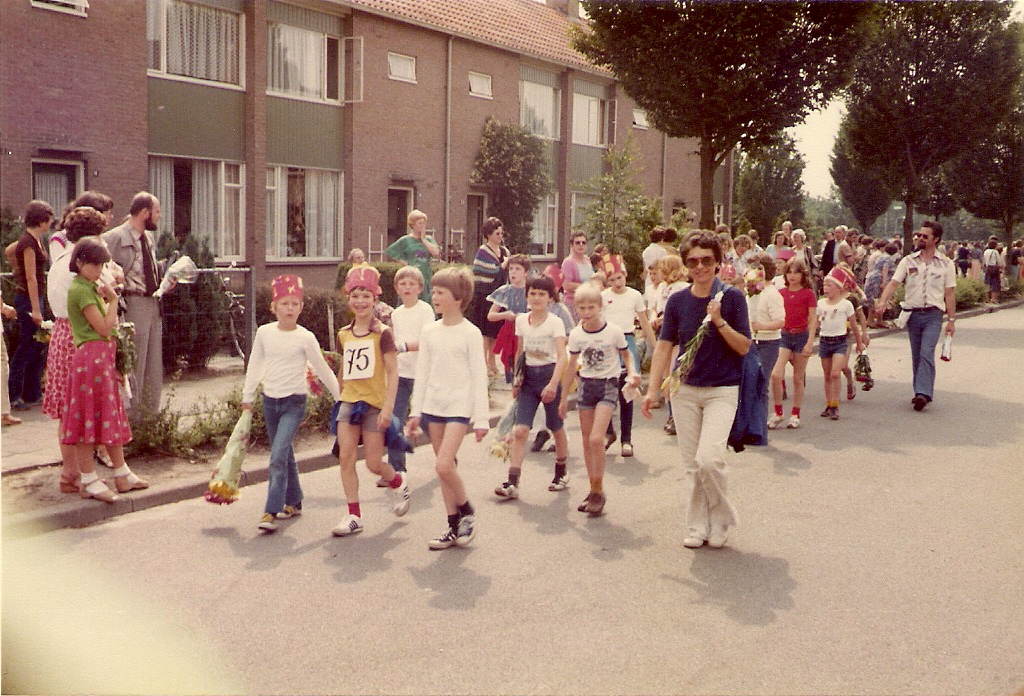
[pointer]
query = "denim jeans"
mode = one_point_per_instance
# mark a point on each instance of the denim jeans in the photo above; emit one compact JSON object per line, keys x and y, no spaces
{"x":396,"y":455}
{"x":283,"y":417}
{"x":25,"y":380}
{"x":924,"y":328}
{"x":768,"y":351}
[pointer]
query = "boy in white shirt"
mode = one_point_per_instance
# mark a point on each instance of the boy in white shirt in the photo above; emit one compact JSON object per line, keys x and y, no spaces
{"x":278,"y":359}
{"x":408,"y":321}
{"x":541,"y":345}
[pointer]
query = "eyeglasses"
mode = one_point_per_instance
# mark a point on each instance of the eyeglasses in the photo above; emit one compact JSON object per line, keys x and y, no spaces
{"x":706,"y":261}
{"x":922,"y":236}
{"x":579,"y":241}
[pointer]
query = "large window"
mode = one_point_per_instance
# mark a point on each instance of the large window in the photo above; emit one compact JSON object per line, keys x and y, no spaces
{"x":194,"y":41}
{"x":56,"y":181}
{"x":303,"y":63}
{"x":545,"y":227}
{"x":205,"y":198}
{"x":589,"y":120}
{"x":580,"y":202}
{"x":539,"y":109}
{"x":304,"y":213}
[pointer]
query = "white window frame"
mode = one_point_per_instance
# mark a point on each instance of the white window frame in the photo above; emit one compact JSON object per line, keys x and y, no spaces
{"x":589,"y":120}
{"x":719,"y":213}
{"x":79,"y":168}
{"x":480,"y":85}
{"x":277,"y":222}
{"x":325,"y":57}
{"x":160,"y":7}
{"x":526,"y":90}
{"x":78,"y":8}
{"x":640,"y":121}
{"x":580,"y":201}
{"x":545,"y":227}
{"x":396,"y":61}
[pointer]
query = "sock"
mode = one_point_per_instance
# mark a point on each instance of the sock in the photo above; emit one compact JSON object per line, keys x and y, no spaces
{"x":396,"y":481}
{"x":778,"y":410}
{"x":453,"y":521}
{"x":559,"y":468}
{"x":353,"y":509}
{"x":513,"y":476}
{"x":89,"y":478}
{"x":597,"y":485}
{"x":125,"y":471}
{"x":796,"y":411}
{"x":465,"y":510}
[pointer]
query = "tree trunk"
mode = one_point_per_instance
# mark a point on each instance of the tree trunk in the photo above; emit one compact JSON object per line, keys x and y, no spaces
{"x":908,"y":226}
{"x":707,"y":185}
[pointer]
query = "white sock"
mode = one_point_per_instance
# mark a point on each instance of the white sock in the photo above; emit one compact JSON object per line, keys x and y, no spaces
{"x":89,"y":478}
{"x":125,"y":471}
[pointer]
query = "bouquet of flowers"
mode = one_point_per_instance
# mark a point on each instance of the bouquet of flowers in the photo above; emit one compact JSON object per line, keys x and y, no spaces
{"x":223,"y":488}
{"x":183,"y":270}
{"x":684,"y":363}
{"x":503,"y":433}
{"x":124,"y":345}
{"x":42,"y":334}
{"x":862,"y":371}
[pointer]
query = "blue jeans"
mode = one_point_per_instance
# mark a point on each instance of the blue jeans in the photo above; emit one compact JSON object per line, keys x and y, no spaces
{"x":924,"y":328}
{"x":283,"y":417}
{"x":396,"y":455}
{"x":768,"y":351}
{"x":25,"y":381}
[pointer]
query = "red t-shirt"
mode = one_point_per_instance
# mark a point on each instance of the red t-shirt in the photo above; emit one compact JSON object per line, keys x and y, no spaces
{"x":798,"y":307}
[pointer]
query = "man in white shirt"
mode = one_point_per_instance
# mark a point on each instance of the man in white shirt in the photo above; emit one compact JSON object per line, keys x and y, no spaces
{"x":652,"y":254}
{"x":930,"y":281}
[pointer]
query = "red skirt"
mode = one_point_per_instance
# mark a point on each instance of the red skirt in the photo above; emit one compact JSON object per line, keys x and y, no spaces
{"x":58,"y":369}
{"x":94,"y":413}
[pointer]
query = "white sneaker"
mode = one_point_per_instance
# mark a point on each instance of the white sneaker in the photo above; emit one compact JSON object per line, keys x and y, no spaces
{"x":559,"y":483}
{"x":794,"y":422}
{"x":401,"y":496}
{"x":350,"y":524}
{"x":466,"y":531}
{"x":775,"y":421}
{"x":508,"y":491}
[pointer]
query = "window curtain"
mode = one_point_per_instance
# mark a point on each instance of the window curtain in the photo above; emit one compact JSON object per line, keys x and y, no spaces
{"x":161,"y":185}
{"x":202,"y":42}
{"x":277,"y":218}
{"x":154,"y":32}
{"x":295,"y":61}
{"x":53,"y":188}
{"x":205,"y":204}
{"x":323,"y":209}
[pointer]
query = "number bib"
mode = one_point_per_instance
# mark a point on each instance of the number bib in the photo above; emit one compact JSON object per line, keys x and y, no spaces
{"x":359,"y":359}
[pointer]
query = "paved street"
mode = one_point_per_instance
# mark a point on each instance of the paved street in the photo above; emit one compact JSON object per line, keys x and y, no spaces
{"x":879,"y":554}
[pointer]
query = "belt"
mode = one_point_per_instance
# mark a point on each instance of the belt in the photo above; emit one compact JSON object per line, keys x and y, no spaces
{"x":924,"y":309}
{"x":832,"y":339}
{"x":795,"y":332}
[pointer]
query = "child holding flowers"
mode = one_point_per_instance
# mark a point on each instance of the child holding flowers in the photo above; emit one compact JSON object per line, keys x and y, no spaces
{"x":280,"y":353}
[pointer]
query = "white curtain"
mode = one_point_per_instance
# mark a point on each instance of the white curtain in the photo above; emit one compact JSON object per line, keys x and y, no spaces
{"x":51,"y":187}
{"x":323,"y":210}
{"x":202,"y":42}
{"x":277,"y":209}
{"x":295,"y":61}
{"x":206,"y":204}
{"x":161,"y":185}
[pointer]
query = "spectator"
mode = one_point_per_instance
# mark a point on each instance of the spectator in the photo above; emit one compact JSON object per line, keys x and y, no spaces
{"x":576,"y":270}
{"x":417,"y":248}
{"x":993,"y":270}
{"x":489,"y":273}
{"x":652,"y":254}
{"x":31,"y":261}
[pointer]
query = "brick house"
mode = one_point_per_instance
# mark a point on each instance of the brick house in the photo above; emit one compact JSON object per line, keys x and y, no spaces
{"x":288,"y":133}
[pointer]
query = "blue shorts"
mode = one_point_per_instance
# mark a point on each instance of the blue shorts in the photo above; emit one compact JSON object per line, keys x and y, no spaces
{"x":427,"y":418}
{"x":595,"y":391}
{"x":535,"y":379}
{"x":832,"y":345}
{"x":794,"y":342}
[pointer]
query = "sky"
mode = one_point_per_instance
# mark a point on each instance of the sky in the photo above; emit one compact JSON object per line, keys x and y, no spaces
{"x":816,"y":135}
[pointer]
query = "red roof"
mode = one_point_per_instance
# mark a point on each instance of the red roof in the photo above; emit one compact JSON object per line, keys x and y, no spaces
{"x":523,"y":26}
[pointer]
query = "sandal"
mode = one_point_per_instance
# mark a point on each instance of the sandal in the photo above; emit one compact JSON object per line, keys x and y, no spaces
{"x":123,"y":485}
{"x":69,"y":484}
{"x":8,"y":419}
{"x":106,"y":495}
{"x":102,"y":457}
{"x":586,"y":502}
{"x":851,"y":393}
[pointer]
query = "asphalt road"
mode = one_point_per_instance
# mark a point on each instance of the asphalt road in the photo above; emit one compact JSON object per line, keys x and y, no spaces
{"x":879,"y":554}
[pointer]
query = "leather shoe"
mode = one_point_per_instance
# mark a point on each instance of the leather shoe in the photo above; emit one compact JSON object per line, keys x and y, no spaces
{"x":123,"y":486}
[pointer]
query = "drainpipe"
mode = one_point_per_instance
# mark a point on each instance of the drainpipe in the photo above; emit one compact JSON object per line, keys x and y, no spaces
{"x":664,"y":176}
{"x":447,"y":153}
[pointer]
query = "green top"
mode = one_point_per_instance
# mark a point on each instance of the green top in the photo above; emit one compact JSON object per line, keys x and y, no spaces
{"x":414,"y":252}
{"x":81,"y":294}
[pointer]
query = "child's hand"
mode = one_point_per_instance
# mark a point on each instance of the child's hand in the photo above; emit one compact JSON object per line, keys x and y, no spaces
{"x":480,"y":433}
{"x":412,"y":425}
{"x":515,"y":391}
{"x":548,"y":394}
{"x":246,"y":406}
{"x":383,"y":421}
{"x":645,"y":407}
{"x":633,"y":380}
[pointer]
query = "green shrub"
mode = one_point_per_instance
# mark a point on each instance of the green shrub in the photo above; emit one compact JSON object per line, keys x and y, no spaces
{"x":195,"y":315}
{"x":970,"y":293}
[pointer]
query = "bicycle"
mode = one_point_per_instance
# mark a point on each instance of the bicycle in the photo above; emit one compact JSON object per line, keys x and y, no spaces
{"x":235,"y":312}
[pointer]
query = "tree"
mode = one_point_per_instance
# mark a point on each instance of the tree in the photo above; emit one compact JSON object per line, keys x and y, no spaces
{"x":513,"y":165}
{"x":768,"y":190}
{"x":989,"y":180}
{"x":934,"y":80}
{"x":728,"y":74}
{"x":621,"y":216}
{"x":862,"y":190}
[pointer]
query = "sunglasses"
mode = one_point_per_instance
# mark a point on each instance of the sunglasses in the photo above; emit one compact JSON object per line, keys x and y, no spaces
{"x":706,"y":261}
{"x":579,"y":241}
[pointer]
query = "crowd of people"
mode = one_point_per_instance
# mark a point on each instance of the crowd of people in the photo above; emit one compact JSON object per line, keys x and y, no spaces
{"x":711,"y":303}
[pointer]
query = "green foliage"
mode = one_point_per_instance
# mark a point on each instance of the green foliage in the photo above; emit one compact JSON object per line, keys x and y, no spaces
{"x":970,"y":293}
{"x":195,"y":321}
{"x":768,"y":189}
{"x":682,"y":220}
{"x":908,"y":111}
{"x":824,"y":214}
{"x":862,"y":191}
{"x":513,"y":165}
{"x":11,"y":229}
{"x":620,"y":215}
{"x":730,"y":74}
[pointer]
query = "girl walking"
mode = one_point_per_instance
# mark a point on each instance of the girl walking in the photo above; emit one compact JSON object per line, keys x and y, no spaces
{"x":833,"y":313}
{"x":797,"y":341}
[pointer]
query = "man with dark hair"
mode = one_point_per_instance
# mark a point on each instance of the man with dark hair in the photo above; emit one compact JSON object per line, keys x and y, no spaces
{"x":930,"y":282}
{"x":131,"y":246}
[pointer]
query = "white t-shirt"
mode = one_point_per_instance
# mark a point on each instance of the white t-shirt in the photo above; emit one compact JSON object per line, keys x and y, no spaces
{"x":621,"y":308}
{"x":833,"y":317}
{"x":665,"y":291}
{"x":407,"y":323}
{"x":451,"y":376}
{"x":598,"y":351}
{"x":279,"y":359}
{"x":765,"y":307}
{"x":539,"y":341}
